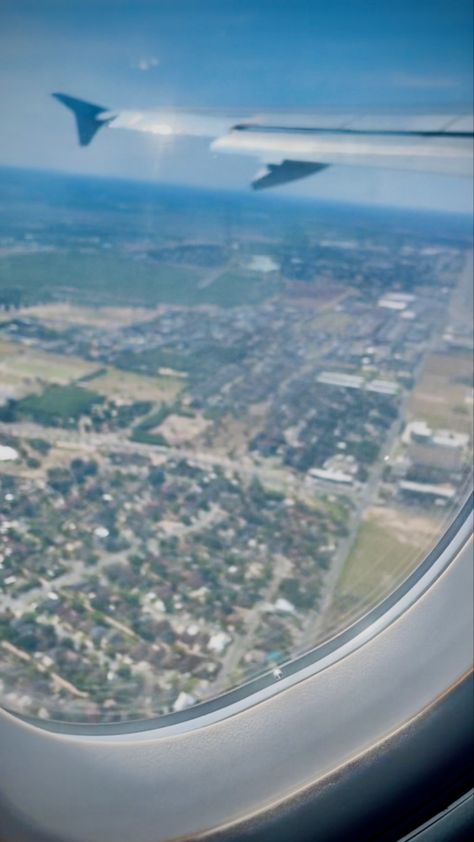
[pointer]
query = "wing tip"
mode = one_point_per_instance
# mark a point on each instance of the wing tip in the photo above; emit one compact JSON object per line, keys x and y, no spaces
{"x":86,"y":115}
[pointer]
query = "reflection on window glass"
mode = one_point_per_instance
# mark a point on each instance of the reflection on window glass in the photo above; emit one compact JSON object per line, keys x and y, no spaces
{"x":231,"y":421}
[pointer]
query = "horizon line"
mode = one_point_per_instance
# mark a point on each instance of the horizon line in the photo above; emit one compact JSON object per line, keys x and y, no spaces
{"x":243,"y":193}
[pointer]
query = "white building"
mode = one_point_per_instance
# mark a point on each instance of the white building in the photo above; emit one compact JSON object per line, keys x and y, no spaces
{"x":183,"y":701}
{"x":441,"y":449}
{"x":218,"y":642}
{"x":383,"y":387}
{"x":8,"y":454}
{"x":340,"y":378}
{"x":442,"y":492}
{"x":338,"y":477}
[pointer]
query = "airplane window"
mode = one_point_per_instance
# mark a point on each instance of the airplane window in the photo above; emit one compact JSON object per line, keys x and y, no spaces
{"x":236,"y":336}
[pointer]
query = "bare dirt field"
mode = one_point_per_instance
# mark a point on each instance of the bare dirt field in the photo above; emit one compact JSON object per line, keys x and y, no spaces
{"x":126,"y":386}
{"x":108,"y":318}
{"x":178,"y":429}
{"x":24,"y":370}
{"x":443,"y":396}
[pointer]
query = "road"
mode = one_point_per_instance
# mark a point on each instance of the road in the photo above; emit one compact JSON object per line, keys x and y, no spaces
{"x":284,"y":479}
{"x":314,"y":628}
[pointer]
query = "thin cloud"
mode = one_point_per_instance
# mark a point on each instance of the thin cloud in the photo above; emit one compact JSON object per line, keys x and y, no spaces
{"x":421,"y":82}
{"x":145,"y":63}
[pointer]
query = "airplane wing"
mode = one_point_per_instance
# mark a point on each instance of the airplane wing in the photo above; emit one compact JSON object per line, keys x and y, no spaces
{"x":296,"y":146}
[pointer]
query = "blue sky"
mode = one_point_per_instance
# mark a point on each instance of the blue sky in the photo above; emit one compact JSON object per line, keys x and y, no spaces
{"x":240,"y":55}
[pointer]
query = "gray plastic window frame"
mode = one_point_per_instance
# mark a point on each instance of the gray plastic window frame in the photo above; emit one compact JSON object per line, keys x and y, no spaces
{"x":240,"y":758}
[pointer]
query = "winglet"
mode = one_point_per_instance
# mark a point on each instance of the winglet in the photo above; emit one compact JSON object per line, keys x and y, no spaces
{"x":275,"y":174}
{"x":87,"y":116}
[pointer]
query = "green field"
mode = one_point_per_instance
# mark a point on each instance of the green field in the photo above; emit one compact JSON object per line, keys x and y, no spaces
{"x":114,"y":280}
{"x":377,"y":557}
{"x":233,"y":289}
{"x":105,"y":279}
{"x":57,"y":403}
{"x":377,"y":563}
{"x":203,"y":363}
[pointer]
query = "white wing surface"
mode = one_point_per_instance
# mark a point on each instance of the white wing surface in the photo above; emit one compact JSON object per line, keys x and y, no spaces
{"x":296,"y":146}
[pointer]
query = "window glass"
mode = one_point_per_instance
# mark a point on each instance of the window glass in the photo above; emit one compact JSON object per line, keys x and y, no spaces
{"x":232,"y":420}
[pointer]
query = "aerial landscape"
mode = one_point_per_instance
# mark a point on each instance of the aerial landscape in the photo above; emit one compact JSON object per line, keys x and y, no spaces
{"x":229,"y":426}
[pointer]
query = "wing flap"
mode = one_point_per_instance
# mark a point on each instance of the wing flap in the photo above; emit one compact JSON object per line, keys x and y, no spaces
{"x":277,"y":174}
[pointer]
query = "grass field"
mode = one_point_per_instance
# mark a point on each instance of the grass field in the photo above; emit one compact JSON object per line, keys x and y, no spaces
{"x":126,"y":386}
{"x":57,"y":402}
{"x":389,"y":545}
{"x":377,"y":557}
{"x":115,"y":281}
{"x":332,"y":321}
{"x":111,"y":279}
{"x":22,"y":368}
{"x":233,"y":289}
{"x":34,"y":364}
{"x":203,"y":363}
{"x":25,"y":370}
